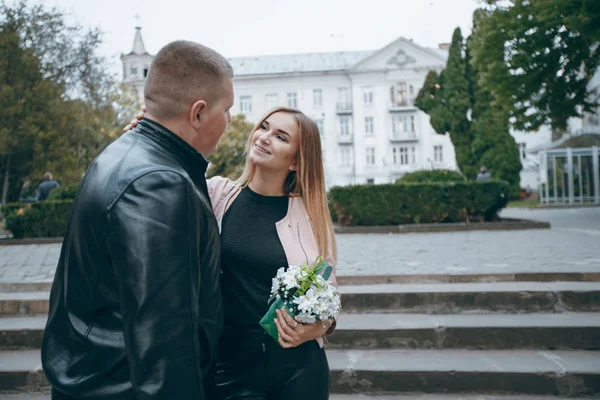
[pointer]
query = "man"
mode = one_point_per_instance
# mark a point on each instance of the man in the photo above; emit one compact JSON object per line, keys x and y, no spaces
{"x":483,"y":175}
{"x":47,"y":185}
{"x":135,"y":307}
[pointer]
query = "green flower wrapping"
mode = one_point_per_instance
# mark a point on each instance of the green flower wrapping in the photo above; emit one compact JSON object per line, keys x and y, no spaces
{"x":283,"y":298}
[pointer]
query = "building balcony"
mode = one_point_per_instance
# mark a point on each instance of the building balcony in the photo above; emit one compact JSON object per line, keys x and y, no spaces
{"x":404,"y":137}
{"x":345,"y":138}
{"x":406,"y":168}
{"x":343,"y":108}
{"x":399,"y":106}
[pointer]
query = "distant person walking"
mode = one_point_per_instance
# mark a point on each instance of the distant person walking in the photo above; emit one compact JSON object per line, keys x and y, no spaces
{"x":483,"y":175}
{"x":47,"y":185}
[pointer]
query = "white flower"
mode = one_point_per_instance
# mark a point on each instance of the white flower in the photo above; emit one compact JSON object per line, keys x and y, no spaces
{"x":320,"y":302}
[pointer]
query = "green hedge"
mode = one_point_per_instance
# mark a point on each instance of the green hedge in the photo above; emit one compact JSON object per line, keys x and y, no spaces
{"x":351,"y":205}
{"x":436,"y":175}
{"x":418,"y":202}
{"x":40,"y":219}
{"x":63,"y":193}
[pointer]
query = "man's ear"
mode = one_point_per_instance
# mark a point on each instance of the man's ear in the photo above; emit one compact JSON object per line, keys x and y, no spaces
{"x":196,"y":113}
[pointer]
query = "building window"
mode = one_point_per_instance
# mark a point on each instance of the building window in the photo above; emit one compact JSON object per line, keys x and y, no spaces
{"x":271,"y":100}
{"x":320,"y":125}
{"x":292,"y":100}
{"x":413,"y":153}
{"x":370,"y":151}
{"x":438,"y":153}
{"x":370,"y":181}
{"x":399,"y":95}
{"x":368,"y":95}
{"x":133,"y":72}
{"x":403,"y":123}
{"x":343,"y":95}
{"x":344,"y":126}
{"x":369,"y":128}
{"x":245,"y":104}
{"x":345,"y":157}
{"x":400,"y":155}
{"x":317,"y":98}
{"x":344,"y":103}
{"x":146,"y":72}
{"x":522,"y":150}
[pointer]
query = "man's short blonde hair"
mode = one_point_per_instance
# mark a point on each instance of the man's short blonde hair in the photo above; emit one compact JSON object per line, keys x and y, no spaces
{"x":181,"y":73}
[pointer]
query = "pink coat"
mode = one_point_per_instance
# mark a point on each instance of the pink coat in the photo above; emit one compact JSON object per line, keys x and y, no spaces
{"x":294,"y":230}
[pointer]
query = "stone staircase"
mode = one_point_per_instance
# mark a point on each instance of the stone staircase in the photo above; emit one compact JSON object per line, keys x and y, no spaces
{"x":468,"y":340}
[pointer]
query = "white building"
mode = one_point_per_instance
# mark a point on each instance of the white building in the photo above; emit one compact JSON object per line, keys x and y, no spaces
{"x":363,"y":102}
{"x":136,"y":64}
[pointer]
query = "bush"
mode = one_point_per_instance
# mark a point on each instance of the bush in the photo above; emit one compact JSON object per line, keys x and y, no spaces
{"x":418,"y":202}
{"x":40,"y":219}
{"x":436,"y":175}
{"x":63,"y":193}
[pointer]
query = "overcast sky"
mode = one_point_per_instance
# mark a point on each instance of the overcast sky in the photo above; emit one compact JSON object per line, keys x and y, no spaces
{"x":258,"y":27}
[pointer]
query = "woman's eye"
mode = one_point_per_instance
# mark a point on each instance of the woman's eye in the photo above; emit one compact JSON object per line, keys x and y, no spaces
{"x":281,"y":138}
{"x":263,"y":127}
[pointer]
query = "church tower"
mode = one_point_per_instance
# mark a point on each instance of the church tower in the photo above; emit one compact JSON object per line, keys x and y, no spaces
{"x":136,"y":64}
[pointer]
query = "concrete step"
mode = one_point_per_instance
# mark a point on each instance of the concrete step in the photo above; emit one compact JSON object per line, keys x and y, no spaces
{"x":556,"y":373}
{"x":420,"y":396}
{"x":22,"y":332}
{"x":577,"y":331}
{"x":452,"y":298}
{"x":573,"y":331}
{"x":441,"y":298}
{"x":468,"y":278}
{"x":22,"y":371}
{"x":563,"y":373}
{"x":402,"y":278}
{"x":24,"y":303}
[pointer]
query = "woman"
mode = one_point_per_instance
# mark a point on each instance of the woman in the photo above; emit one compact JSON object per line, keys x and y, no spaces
{"x":275,"y":215}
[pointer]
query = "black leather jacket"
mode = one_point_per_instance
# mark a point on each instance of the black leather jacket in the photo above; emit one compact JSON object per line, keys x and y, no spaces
{"x":135,"y":307}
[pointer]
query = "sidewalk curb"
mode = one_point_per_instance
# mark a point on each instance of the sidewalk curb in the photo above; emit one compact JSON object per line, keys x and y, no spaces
{"x":469,"y":278}
{"x":26,"y":241}
{"x":43,"y":286}
{"x":506,"y":224}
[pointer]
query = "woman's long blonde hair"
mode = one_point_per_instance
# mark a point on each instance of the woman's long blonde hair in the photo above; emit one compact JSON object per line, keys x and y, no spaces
{"x":307,"y":182}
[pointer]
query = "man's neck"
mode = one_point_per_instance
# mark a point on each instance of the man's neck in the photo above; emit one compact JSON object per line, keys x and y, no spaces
{"x":173,"y":125}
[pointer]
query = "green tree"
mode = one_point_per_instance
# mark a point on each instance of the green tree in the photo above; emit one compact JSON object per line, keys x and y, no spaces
{"x":229,"y":159}
{"x":457,"y":101}
{"x":550,"y":52}
{"x":59,"y":105}
{"x":447,"y":100}
{"x":478,"y":124}
{"x":430,"y":99}
{"x":26,"y":99}
{"x":493,"y":145}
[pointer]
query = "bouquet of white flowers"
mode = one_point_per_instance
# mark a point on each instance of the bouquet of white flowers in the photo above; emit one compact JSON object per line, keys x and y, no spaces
{"x":305,"y":293}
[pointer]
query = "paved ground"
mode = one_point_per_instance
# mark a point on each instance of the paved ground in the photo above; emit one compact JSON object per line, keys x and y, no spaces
{"x":573,"y":244}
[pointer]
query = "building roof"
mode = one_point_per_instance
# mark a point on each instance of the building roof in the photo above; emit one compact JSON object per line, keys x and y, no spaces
{"x":290,"y":63}
{"x":138,"y":42}
{"x":314,"y":62}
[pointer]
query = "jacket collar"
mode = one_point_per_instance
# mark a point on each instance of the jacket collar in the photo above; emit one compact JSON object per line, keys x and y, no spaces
{"x":192,"y":159}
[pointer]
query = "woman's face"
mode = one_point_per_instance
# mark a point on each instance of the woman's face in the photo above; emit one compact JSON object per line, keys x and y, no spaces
{"x":274,"y":145}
